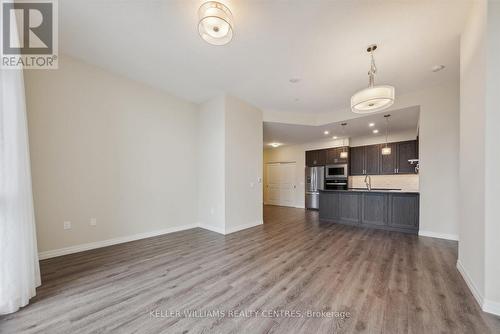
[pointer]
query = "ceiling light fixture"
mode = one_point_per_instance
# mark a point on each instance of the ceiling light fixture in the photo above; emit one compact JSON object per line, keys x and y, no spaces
{"x":375,"y":131}
{"x":371,"y":125}
{"x":343,"y":154}
{"x":374,"y":98}
{"x":294,"y":80}
{"x":215,"y":24}
{"x":275,"y":144}
{"x":334,"y":137}
{"x":386,"y":150}
{"x":326,"y":132}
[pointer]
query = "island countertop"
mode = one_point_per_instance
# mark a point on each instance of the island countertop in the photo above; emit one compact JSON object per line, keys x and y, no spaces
{"x":375,"y":190}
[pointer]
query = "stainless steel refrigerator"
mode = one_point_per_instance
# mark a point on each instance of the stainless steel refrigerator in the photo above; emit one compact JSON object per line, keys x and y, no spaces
{"x":315,"y":181}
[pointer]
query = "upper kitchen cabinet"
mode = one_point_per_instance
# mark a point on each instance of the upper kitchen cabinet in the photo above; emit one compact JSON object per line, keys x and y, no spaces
{"x":372,"y":159}
{"x":315,"y":158}
{"x":333,"y":155}
{"x":357,"y":159}
{"x":365,"y":160}
{"x":406,"y":150}
{"x":368,"y":160}
{"x":388,"y":163}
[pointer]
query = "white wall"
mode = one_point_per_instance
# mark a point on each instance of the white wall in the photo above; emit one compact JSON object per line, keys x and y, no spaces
{"x":472,"y":127}
{"x":243,"y":165}
{"x":492,"y":216}
{"x":230,"y":165}
{"x":393,"y":137}
{"x":106,"y":147}
{"x":479,"y":154}
{"x":211,"y":165}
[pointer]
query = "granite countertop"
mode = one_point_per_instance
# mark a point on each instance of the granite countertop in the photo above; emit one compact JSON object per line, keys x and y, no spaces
{"x":374,"y":190}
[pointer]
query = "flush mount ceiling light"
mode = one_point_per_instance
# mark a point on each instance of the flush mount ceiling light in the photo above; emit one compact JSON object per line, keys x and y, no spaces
{"x":371,"y":125}
{"x":326,"y":132}
{"x":386,"y":150}
{"x":374,"y":98}
{"x":275,"y":144}
{"x":343,"y":154}
{"x":375,"y":131}
{"x":215,"y":23}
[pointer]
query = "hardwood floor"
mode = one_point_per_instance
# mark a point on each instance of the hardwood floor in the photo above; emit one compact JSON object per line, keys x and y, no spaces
{"x":365,"y":281}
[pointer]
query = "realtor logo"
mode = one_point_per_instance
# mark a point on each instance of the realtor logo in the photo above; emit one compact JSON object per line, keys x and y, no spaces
{"x":29,"y":34}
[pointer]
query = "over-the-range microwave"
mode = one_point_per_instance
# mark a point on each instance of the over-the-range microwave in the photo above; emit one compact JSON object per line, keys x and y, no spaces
{"x":336,"y":171}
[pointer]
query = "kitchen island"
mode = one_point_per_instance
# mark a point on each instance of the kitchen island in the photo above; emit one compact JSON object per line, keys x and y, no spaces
{"x":392,"y":210}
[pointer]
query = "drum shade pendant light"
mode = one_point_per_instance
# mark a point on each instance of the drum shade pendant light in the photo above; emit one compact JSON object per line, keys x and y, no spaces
{"x":215,"y":23}
{"x":374,"y":98}
{"x":386,"y":150}
{"x":343,"y":154}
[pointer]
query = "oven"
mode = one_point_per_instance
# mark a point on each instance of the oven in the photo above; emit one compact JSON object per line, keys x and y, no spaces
{"x":337,"y":184}
{"x":333,"y":172}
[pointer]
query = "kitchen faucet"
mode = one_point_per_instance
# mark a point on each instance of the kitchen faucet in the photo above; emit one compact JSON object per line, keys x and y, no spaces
{"x":369,"y":183}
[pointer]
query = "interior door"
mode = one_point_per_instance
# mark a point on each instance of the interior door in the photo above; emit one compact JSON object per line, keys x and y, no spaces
{"x":280,"y":186}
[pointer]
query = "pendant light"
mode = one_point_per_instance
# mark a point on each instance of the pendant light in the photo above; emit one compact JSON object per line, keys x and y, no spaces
{"x":374,"y":98}
{"x":344,"y":153}
{"x":386,"y":150}
{"x":215,"y":24}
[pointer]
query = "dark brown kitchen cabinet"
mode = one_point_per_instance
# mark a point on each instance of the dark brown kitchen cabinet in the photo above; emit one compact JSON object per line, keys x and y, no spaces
{"x":357,"y":159}
{"x":406,"y":150}
{"x":315,"y":158}
{"x":365,"y":160}
{"x":388,"y":163}
{"x":372,"y":159}
{"x":333,"y":155}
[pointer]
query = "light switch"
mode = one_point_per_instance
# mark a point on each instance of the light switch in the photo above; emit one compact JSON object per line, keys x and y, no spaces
{"x":67,"y":225}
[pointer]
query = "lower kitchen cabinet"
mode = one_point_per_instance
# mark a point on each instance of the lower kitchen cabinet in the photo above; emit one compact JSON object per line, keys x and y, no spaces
{"x":404,"y":210}
{"x":376,"y":209}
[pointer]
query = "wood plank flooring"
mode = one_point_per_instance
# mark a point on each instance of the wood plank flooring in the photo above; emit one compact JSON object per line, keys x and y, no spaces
{"x":364,"y":281}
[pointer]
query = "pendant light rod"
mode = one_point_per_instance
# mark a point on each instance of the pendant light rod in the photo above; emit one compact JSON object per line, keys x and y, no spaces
{"x":386,"y":128}
{"x":373,"y":66}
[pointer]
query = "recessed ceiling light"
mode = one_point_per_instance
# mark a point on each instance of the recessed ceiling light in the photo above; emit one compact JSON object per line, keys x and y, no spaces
{"x":334,"y":137}
{"x":326,"y":132}
{"x":371,"y":125}
{"x":438,"y":68}
{"x":294,"y":80}
{"x":275,"y":144}
{"x":375,"y":131}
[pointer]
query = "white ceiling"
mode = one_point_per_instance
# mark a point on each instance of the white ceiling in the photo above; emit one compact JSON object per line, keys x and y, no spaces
{"x":321,"y":42}
{"x":401,"y":120}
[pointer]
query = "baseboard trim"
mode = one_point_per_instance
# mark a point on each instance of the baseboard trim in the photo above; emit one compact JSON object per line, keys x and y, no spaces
{"x":492,"y":307}
{"x":486,"y":305}
{"x":431,"y":234}
{"x":109,"y":242}
{"x":212,"y":228}
{"x":243,"y":227}
{"x":472,"y":287}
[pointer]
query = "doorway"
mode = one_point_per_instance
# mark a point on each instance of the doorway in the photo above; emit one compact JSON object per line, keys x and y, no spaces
{"x":280,"y":184}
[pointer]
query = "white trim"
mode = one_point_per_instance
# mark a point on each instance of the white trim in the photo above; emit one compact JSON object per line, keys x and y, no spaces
{"x":243,"y":227}
{"x":486,"y":305}
{"x":491,"y":307}
{"x":473,"y":289}
{"x":229,"y":230}
{"x":103,"y":243}
{"x":438,"y":235}
{"x":212,"y":228}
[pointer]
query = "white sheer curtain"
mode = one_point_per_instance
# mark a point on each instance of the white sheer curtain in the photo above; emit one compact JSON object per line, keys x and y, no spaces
{"x":19,"y":269}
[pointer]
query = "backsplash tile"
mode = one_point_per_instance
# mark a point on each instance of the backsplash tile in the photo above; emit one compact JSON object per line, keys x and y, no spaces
{"x":406,"y":182}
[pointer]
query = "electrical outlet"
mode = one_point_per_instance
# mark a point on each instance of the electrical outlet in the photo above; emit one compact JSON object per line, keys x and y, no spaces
{"x":67,"y":225}
{"x":93,"y":222}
